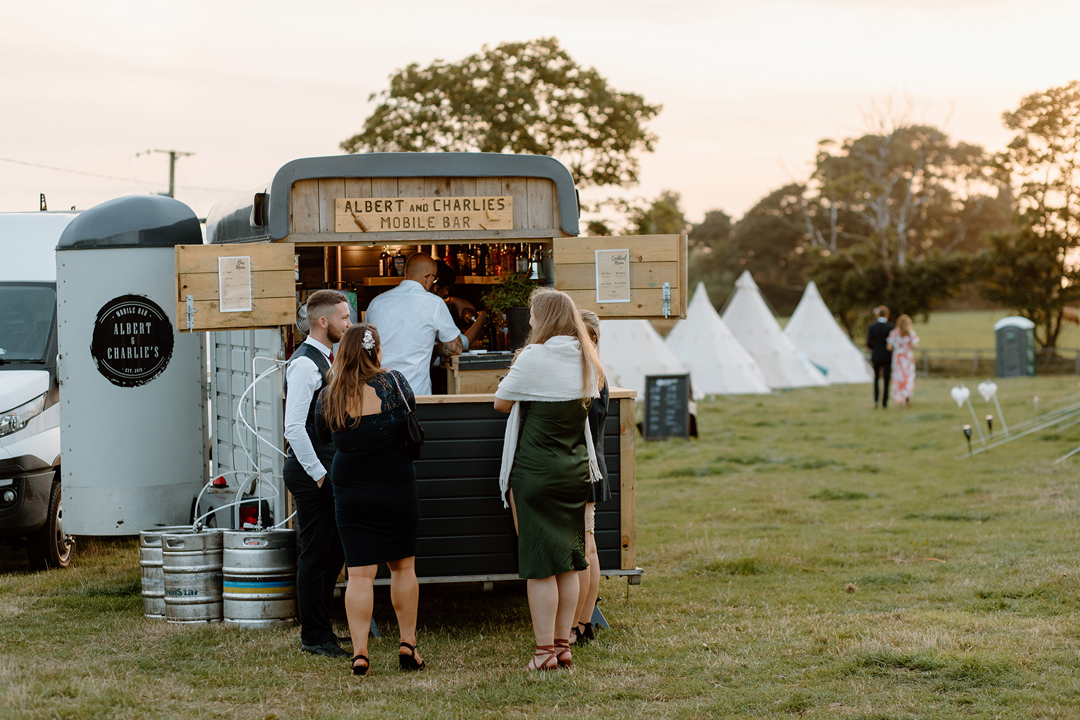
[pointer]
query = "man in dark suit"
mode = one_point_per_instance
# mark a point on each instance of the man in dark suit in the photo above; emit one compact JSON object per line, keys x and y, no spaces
{"x":880,"y":354}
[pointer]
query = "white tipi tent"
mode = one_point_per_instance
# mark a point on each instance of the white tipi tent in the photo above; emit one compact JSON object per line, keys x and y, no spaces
{"x":753,"y":325}
{"x":632,"y":349}
{"x":721,"y":366}
{"x":814,"y":330}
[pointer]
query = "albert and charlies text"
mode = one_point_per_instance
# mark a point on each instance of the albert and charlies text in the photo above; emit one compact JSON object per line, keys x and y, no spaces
{"x":424,"y":214}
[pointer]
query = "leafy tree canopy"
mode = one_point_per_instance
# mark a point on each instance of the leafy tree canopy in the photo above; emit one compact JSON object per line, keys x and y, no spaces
{"x":663,"y":216}
{"x":1034,"y":268}
{"x":526,"y":97}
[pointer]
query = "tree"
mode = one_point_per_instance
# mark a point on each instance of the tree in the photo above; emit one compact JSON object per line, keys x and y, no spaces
{"x":663,"y":216}
{"x":894,"y":216}
{"x":1033,"y":269}
{"x":527,"y":97}
{"x":710,"y":232}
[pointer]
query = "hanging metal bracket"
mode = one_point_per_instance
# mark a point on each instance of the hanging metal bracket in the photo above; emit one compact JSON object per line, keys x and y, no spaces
{"x":667,"y":300}
{"x":191,"y":310}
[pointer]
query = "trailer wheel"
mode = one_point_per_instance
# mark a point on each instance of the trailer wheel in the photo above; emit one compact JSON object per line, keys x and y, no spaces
{"x":49,"y":547}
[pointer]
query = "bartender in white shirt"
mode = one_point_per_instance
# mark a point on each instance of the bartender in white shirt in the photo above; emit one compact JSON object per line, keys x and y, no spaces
{"x":412,"y":321}
{"x":305,"y":473}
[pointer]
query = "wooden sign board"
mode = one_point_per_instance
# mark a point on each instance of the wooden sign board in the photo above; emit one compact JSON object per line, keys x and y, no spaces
{"x":412,"y":214}
{"x":654,"y":260}
{"x":667,"y":407}
{"x":268,"y":286}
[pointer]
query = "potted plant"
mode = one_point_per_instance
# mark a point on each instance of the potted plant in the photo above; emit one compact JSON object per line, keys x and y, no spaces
{"x":510,"y":298}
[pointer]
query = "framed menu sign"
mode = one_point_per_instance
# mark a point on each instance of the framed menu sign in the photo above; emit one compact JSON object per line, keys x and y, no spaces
{"x":234,"y":279}
{"x":612,"y":276}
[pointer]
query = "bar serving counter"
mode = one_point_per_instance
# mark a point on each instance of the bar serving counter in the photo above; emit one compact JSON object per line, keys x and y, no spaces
{"x":465,"y":534}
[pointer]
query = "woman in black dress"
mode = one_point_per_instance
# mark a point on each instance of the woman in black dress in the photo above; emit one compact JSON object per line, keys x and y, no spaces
{"x":364,"y":409}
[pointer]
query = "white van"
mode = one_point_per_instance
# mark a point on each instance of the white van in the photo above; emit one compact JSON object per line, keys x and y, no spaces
{"x":29,"y":390}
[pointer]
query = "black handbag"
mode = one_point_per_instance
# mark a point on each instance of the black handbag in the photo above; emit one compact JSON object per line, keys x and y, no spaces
{"x":414,"y":431}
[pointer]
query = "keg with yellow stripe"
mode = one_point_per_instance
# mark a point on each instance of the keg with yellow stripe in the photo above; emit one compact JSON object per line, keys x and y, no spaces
{"x":259,"y":578}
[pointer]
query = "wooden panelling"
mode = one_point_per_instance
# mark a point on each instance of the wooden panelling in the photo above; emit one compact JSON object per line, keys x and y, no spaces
{"x":536,"y":212}
{"x":542,"y":203}
{"x":272,"y":289}
{"x":654,"y":260}
{"x":304,"y":207}
{"x":330,"y":189}
{"x":642,"y":275}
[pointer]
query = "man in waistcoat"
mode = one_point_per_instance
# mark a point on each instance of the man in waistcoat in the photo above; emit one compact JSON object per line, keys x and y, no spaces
{"x":877,"y":336}
{"x":306,"y":473}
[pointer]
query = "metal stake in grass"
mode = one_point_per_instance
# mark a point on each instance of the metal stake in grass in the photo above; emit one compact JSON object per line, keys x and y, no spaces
{"x":967,"y":434}
{"x":990,"y":425}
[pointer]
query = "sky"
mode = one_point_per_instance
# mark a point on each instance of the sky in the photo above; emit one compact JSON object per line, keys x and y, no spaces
{"x":91,"y":89}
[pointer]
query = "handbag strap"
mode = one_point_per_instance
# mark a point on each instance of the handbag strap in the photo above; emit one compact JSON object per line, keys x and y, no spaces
{"x":400,"y":392}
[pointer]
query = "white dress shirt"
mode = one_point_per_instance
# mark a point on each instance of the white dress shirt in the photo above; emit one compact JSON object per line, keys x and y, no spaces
{"x":303,"y":379}
{"x":409,"y":320}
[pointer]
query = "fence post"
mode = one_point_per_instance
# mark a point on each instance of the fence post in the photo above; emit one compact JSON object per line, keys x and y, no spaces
{"x":1078,"y":362}
{"x":926,"y":361}
{"x":975,"y":364}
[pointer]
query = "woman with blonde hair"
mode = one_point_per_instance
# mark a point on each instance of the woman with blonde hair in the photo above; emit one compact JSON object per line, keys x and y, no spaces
{"x":902,"y":341}
{"x":549,"y":463}
{"x":363,"y":410}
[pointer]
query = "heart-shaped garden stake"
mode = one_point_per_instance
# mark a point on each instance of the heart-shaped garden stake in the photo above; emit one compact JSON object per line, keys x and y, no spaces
{"x":987,"y":389}
{"x":960,"y":395}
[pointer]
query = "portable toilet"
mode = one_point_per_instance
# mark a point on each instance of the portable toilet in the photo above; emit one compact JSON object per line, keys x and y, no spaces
{"x":1015,"y":347}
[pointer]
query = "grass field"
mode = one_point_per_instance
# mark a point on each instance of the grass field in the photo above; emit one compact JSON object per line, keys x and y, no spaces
{"x":809,"y":556}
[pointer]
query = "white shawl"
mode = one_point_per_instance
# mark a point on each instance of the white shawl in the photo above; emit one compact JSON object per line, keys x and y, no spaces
{"x":542,"y":373}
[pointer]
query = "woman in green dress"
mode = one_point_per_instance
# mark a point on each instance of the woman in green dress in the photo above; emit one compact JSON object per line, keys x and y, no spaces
{"x":548,"y":464}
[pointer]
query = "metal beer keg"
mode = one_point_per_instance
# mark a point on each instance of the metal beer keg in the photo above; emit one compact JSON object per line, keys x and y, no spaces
{"x":192,"y":564}
{"x":150,"y":567}
{"x":260,"y":578}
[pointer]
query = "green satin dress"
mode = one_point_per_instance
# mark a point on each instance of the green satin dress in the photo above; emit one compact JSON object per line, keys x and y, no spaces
{"x":550,"y":482}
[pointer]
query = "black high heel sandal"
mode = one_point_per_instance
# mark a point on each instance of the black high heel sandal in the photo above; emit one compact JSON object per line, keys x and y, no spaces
{"x":361,"y":670}
{"x":408,"y":662}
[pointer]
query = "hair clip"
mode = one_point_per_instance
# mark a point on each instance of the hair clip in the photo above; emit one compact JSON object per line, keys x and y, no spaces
{"x":368,"y":343}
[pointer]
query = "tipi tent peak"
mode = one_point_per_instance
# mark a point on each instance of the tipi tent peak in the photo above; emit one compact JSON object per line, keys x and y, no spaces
{"x":720,"y":365}
{"x":813,"y":329}
{"x":750,"y":320}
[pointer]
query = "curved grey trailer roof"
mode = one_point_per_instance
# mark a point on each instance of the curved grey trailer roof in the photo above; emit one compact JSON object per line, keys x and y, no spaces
{"x":134,"y":221}
{"x":261,"y":215}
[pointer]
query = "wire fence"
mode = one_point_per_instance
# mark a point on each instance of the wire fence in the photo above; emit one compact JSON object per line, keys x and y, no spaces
{"x":983,"y":361}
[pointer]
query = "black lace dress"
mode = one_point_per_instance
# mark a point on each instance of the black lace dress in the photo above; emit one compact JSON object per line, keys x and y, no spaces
{"x":373,"y":479}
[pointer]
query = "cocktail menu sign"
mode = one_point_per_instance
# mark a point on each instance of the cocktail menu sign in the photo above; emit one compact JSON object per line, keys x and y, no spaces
{"x":612,"y":276}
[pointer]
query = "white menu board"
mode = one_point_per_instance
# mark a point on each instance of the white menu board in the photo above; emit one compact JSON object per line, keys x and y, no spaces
{"x":234,"y":284}
{"x":612,"y":276}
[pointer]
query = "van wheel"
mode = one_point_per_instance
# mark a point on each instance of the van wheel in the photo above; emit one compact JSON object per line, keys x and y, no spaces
{"x":49,"y":547}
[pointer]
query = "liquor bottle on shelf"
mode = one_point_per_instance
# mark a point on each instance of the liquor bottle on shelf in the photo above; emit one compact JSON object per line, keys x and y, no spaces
{"x":474,"y":261}
{"x":463,"y":266}
{"x":384,"y":263}
{"x":450,"y":258}
{"x":399,"y":264}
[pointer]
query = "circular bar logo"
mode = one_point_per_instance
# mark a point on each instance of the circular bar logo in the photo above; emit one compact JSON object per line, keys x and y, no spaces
{"x":132,"y":342}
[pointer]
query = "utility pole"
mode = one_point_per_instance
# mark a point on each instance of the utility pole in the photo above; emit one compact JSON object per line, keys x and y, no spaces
{"x":173,"y":154}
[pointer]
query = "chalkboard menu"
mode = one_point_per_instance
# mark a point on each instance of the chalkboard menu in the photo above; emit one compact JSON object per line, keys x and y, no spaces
{"x":667,"y":407}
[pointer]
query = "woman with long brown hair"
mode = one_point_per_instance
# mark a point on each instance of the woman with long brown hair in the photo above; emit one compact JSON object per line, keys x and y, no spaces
{"x":548,"y":464}
{"x":364,"y":410}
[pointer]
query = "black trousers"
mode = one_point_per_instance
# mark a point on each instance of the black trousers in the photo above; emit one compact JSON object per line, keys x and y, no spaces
{"x":882,"y":370}
{"x":321,"y":555}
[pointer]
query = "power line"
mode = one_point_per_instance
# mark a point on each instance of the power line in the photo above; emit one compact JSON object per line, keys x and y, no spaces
{"x":108,"y":177}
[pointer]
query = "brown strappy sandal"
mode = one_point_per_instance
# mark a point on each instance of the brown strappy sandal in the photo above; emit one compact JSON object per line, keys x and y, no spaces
{"x":562,"y":653}
{"x":545,"y":658}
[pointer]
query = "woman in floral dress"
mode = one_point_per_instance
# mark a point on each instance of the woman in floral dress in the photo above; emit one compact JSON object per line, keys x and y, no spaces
{"x":902,"y":341}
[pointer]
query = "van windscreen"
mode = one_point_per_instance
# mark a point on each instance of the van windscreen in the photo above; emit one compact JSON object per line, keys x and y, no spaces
{"x":26,"y":320}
